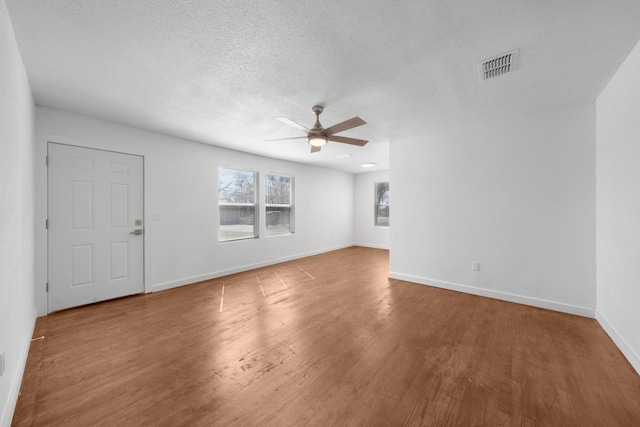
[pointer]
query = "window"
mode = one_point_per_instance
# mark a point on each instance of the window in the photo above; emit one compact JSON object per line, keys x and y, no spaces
{"x":237,"y":202}
{"x":382,"y":204}
{"x":279,"y":204}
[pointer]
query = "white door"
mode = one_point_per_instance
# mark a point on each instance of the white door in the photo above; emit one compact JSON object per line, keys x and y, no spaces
{"x":95,"y":239}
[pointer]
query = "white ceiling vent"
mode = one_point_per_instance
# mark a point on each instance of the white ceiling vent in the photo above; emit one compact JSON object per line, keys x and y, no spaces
{"x":499,"y":65}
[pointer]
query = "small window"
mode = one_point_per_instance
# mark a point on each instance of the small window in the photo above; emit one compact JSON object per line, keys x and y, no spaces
{"x":279,"y":205}
{"x":382,"y":204}
{"x":237,"y":202}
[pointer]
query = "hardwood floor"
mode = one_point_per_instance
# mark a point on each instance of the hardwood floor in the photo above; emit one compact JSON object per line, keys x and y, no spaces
{"x":326,"y":340}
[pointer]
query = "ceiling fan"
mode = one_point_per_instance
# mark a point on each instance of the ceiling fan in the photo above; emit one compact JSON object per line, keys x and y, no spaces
{"x":319,"y":136}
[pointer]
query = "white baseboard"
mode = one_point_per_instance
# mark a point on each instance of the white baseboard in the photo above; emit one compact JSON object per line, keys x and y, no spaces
{"x":372,"y":245}
{"x":534,"y":302}
{"x":626,"y":350}
{"x":12,"y":399}
{"x":240,"y":269}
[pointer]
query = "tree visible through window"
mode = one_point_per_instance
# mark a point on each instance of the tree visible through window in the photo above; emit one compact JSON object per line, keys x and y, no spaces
{"x":382,"y":204}
{"x":236,"y":199}
{"x":279,"y":204}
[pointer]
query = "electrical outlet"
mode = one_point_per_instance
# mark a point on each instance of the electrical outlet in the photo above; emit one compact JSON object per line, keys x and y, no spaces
{"x":1,"y":363}
{"x":475,"y":266}
{"x":156,"y":216}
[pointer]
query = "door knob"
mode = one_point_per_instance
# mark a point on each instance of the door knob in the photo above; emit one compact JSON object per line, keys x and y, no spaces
{"x":137,"y":232}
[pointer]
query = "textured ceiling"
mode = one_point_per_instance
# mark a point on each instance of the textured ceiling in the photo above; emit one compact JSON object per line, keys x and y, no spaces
{"x":219,"y":72}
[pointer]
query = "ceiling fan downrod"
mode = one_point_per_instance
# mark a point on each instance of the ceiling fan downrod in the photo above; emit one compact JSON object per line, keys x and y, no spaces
{"x":317,"y":109}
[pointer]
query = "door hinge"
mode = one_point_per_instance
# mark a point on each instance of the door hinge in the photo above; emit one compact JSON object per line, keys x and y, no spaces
{"x":46,"y":223}
{"x":46,"y":160}
{"x":47,"y":287}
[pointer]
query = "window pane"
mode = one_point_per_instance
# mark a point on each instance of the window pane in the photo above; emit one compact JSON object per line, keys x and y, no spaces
{"x":236,"y":186}
{"x":278,"y":220}
{"x":382,"y":216}
{"x":237,"y":222}
{"x":278,"y":189}
{"x":382,"y":193}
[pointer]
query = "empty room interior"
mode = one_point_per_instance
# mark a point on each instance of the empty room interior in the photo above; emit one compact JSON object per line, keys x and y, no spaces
{"x":319,"y":213}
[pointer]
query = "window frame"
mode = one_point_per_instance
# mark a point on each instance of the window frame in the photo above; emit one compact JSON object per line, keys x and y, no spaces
{"x":290,"y":205}
{"x":377,"y":206}
{"x":255,"y":204}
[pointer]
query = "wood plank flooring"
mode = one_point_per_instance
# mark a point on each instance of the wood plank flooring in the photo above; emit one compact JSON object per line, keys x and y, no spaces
{"x":327,"y":340}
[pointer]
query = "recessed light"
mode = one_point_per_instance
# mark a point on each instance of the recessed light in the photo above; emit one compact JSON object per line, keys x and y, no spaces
{"x":345,"y":156}
{"x":367,"y":165}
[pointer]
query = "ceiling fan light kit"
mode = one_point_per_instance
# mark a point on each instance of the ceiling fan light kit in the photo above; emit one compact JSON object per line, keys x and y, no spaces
{"x":318,"y":136}
{"x":318,"y":140}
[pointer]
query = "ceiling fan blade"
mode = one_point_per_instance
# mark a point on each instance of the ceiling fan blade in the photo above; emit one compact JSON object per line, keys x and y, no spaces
{"x":345,"y":140}
{"x":315,"y":149}
{"x":347,"y":124}
{"x":291,"y":137}
{"x":292,"y":123}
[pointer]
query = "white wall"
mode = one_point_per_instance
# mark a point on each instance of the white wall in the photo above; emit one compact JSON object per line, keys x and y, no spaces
{"x":181,"y":184}
{"x":17,"y":311}
{"x":618,"y":208}
{"x":366,"y":233}
{"x":515,"y":195}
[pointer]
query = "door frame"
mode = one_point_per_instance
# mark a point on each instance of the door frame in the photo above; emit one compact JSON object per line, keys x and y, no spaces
{"x":42,"y":213}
